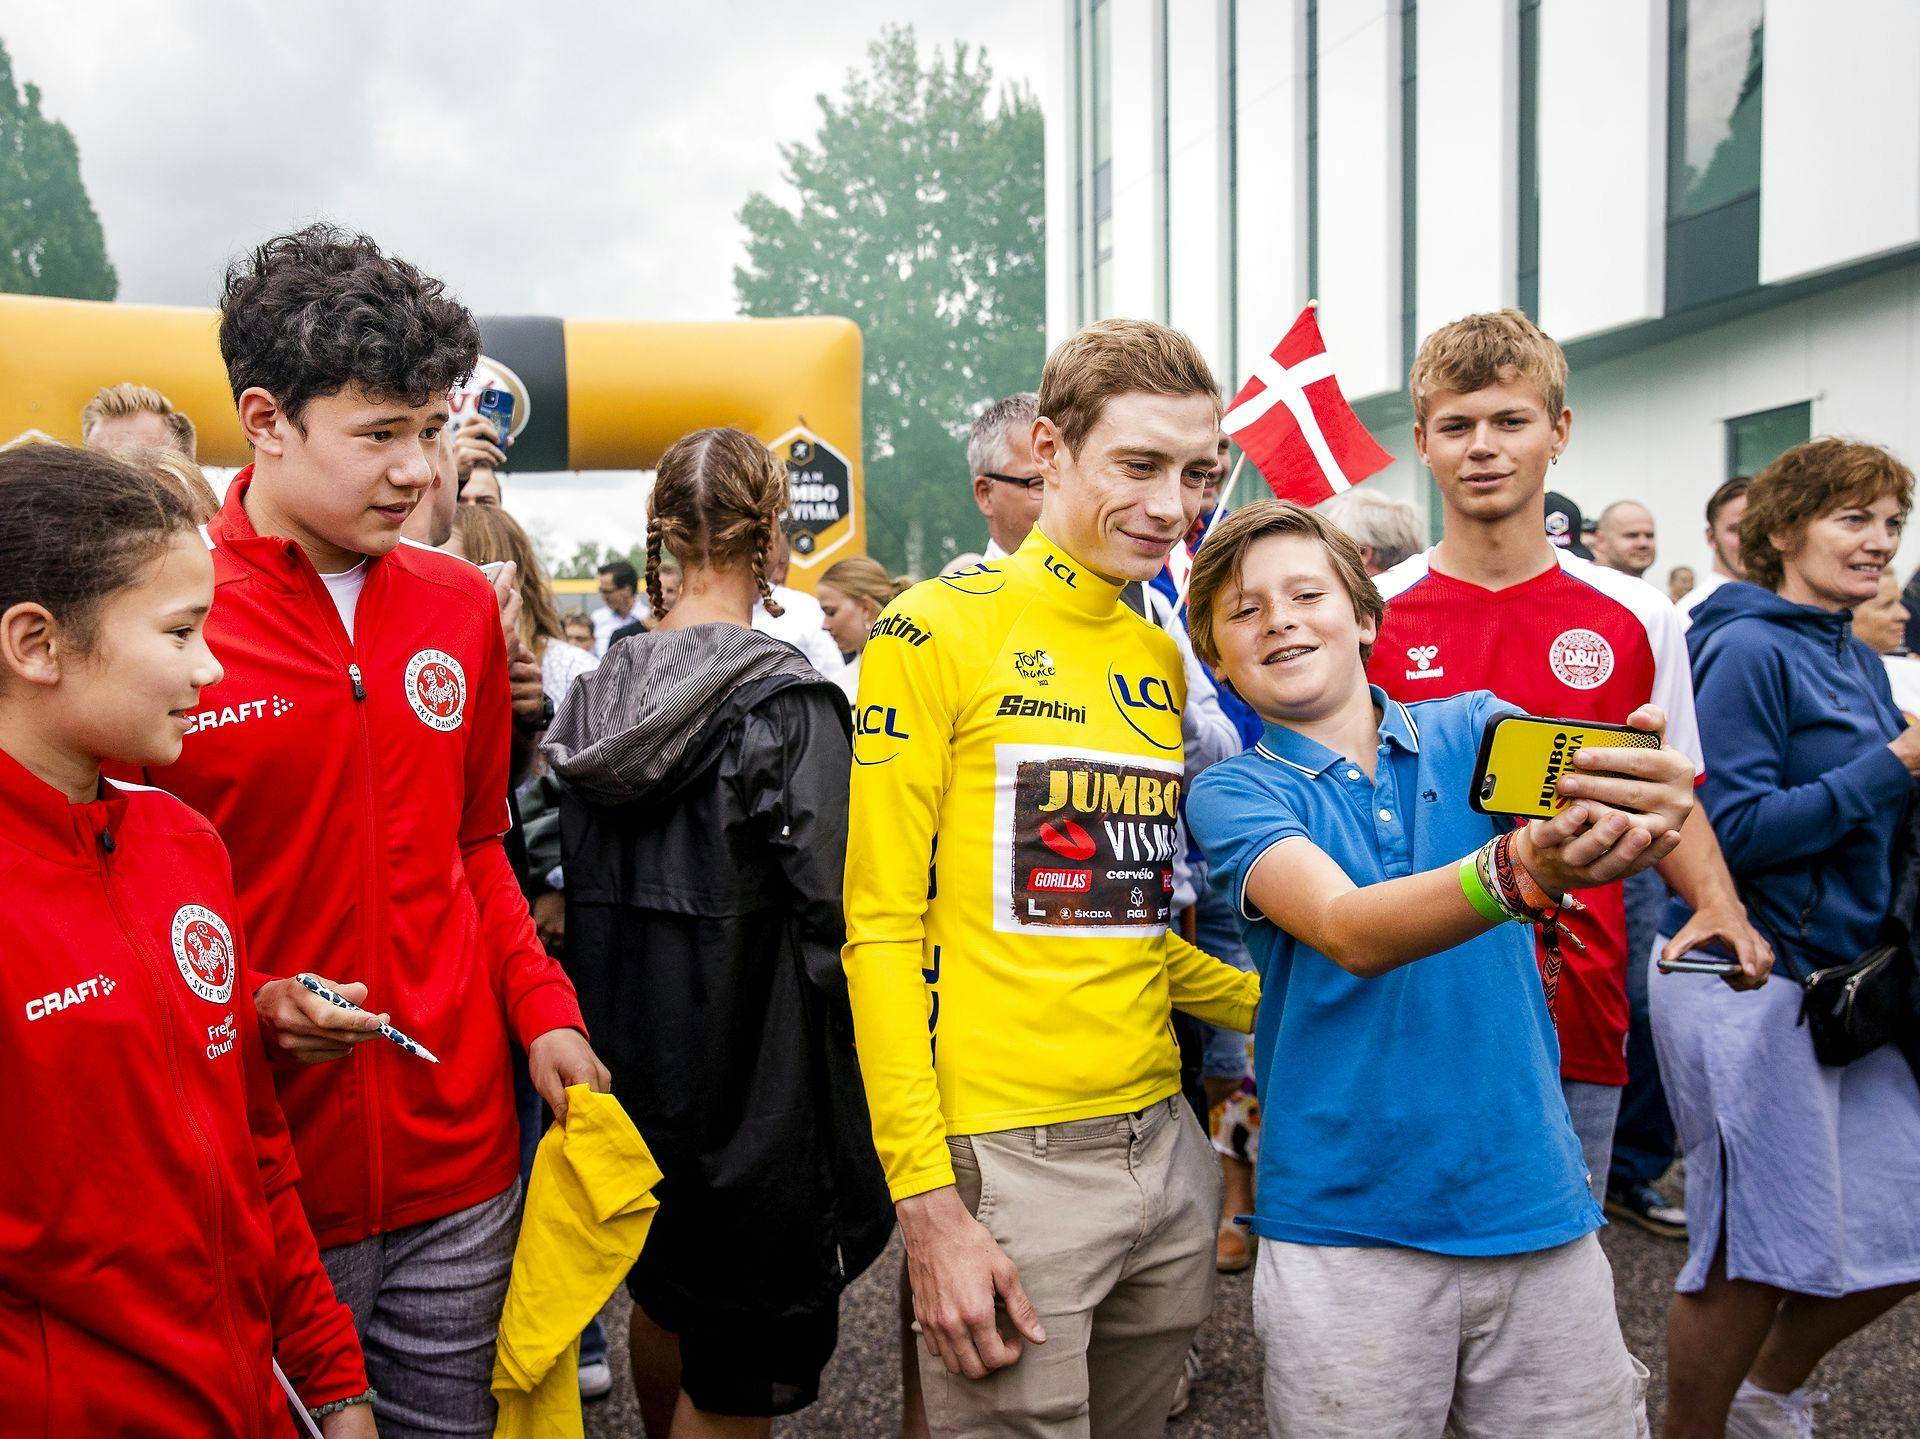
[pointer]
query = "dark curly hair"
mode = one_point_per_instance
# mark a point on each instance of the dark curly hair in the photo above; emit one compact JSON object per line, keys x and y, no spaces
{"x":307,"y":314}
{"x":1806,"y":482}
{"x":77,"y":527}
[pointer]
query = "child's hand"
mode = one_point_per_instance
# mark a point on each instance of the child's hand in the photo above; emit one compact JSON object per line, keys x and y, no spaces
{"x":1587,"y":845}
{"x":1629,"y":806}
{"x":1651,"y":784}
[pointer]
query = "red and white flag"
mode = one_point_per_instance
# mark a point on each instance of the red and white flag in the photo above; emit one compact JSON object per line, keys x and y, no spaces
{"x":1294,"y":424}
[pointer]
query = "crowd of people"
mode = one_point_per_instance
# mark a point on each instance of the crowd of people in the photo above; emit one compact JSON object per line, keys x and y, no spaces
{"x":345,"y":875}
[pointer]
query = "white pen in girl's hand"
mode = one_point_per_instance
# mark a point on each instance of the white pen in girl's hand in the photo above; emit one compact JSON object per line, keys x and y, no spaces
{"x":412,"y":1046}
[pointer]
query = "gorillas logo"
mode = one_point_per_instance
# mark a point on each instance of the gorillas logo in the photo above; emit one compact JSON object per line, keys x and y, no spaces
{"x":437,"y":689}
{"x":1146,"y":703}
{"x":1068,"y":840}
{"x":203,"y":948}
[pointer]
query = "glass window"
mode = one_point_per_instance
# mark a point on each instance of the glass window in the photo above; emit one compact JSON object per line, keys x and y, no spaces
{"x":1714,"y":150}
{"x":1102,"y":122}
{"x":1757,"y":440}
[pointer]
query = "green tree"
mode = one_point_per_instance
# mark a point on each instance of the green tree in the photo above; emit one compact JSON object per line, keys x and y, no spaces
{"x":50,"y":239}
{"x":921,"y":216}
{"x":585,"y":561}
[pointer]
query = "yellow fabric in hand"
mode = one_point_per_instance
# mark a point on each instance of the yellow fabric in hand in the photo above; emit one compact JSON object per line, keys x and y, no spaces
{"x":589,"y":1205}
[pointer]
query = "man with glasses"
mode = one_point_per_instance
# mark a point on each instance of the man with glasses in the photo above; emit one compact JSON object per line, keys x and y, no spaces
{"x":1006,"y":480}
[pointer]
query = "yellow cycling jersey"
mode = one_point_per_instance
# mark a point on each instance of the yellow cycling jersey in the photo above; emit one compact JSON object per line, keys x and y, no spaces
{"x":1015,"y":814}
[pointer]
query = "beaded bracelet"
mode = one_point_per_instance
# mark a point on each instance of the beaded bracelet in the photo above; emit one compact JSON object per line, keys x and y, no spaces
{"x":1500,"y":888}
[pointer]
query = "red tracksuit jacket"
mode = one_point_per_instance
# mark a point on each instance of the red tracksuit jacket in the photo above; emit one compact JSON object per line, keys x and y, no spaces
{"x":153,"y":1254}
{"x":361,"y":787}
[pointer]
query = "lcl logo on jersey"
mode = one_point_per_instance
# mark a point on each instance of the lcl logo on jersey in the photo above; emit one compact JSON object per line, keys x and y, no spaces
{"x":1146,"y":703}
{"x":1580,"y":659}
{"x":878,"y":733}
{"x":1424,"y":668}
{"x":203,"y":948}
{"x":437,"y":689}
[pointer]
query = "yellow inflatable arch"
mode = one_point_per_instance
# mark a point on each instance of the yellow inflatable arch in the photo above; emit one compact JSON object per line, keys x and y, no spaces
{"x":588,"y":394}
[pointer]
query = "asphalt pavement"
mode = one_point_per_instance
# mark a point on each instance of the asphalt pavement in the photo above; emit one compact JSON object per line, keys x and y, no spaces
{"x":1874,"y":1378}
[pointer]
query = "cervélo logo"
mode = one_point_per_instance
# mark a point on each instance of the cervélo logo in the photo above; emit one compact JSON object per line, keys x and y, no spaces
{"x":437,"y":689}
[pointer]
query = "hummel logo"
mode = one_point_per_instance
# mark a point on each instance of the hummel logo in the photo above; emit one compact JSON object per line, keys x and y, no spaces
{"x":1423,"y":657}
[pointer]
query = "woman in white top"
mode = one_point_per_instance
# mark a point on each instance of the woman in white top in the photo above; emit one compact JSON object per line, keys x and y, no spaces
{"x":485,"y":534}
{"x":1881,"y":624}
{"x":851,"y":596}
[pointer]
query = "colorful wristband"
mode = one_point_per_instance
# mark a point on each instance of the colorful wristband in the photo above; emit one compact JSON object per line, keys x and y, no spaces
{"x":1482,"y":900}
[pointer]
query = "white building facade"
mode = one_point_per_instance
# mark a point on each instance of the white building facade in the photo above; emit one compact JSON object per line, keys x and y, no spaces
{"x":1714,"y":205}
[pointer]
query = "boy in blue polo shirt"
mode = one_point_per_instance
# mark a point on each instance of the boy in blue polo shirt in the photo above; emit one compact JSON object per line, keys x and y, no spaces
{"x":1427,"y":1231}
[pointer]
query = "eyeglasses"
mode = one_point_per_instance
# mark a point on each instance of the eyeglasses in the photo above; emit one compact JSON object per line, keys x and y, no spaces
{"x":1032,"y":484}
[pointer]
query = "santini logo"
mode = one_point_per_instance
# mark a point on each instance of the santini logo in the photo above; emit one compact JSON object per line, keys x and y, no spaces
{"x":899,"y":627}
{"x":1021,"y":707}
{"x":1424,"y":668}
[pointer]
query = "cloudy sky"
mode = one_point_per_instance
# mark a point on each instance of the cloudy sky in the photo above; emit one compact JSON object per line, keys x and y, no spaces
{"x":585,"y":158}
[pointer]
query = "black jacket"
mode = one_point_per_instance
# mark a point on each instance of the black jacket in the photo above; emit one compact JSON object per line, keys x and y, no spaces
{"x":703,"y":829}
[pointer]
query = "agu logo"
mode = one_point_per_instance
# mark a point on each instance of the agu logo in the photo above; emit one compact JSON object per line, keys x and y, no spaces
{"x":1580,"y":659}
{"x":203,"y":948}
{"x":437,"y":689}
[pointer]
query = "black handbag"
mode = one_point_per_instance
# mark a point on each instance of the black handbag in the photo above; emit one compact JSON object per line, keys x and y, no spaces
{"x":1852,"y":1009}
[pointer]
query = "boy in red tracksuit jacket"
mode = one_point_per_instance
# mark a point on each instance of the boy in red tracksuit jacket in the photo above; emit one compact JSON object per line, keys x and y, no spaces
{"x":354,"y":758}
{"x":154,"y":1260}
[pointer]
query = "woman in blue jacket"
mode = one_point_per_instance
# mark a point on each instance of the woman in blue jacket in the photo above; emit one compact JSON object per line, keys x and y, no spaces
{"x":1803,"y":1181}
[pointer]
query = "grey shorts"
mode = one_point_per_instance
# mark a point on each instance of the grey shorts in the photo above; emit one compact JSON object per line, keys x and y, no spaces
{"x":1402,"y":1344}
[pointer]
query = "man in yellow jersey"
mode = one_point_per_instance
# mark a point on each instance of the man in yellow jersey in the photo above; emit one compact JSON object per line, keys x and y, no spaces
{"x":1016,"y":785}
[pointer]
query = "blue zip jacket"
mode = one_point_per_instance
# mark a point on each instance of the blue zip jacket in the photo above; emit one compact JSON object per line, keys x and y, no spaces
{"x":1805,"y":796}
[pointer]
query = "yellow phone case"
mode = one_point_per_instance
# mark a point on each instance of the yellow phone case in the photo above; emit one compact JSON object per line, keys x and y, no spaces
{"x":1521,"y":760}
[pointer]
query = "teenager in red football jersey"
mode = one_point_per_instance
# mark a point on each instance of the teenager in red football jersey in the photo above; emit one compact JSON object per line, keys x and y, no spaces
{"x":355,"y":758}
{"x":154,"y":1260}
{"x":1495,"y":606}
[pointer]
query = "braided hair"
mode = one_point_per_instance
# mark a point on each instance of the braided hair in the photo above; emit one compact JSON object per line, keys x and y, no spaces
{"x":717,"y":495}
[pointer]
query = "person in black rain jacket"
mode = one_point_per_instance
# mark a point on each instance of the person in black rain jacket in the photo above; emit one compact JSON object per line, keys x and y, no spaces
{"x":703,"y":825}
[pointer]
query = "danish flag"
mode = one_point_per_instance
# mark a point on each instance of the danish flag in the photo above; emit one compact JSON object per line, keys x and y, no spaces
{"x":1294,"y":424}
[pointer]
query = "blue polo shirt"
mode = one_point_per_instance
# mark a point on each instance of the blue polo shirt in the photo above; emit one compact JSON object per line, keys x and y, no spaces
{"x":1421,"y":1108}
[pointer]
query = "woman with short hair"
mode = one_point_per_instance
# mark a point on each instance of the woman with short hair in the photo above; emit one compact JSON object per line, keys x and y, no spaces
{"x":1801,"y":1177}
{"x":851,"y":596}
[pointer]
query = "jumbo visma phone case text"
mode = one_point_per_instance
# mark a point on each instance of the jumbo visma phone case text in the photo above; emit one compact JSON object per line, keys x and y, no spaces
{"x":1521,"y":760}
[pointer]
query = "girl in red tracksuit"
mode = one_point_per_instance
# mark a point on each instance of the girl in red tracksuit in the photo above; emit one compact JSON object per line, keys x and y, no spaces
{"x":154,"y":1259}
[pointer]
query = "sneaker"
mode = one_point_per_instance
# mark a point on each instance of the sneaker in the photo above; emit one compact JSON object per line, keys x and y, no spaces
{"x":1643,"y":1205}
{"x":1760,"y":1414}
{"x":1191,"y":1371}
{"x":596,"y":1380}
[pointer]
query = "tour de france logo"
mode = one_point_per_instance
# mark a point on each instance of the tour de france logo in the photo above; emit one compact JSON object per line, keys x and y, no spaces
{"x":203,"y":948}
{"x":437,"y":689}
{"x":1581,"y":659}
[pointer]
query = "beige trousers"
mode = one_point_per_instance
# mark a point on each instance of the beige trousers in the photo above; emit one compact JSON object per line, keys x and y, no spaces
{"x":1111,"y":1225}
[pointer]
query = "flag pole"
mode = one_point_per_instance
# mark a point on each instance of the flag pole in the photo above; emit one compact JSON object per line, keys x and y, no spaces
{"x":1219,"y":506}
